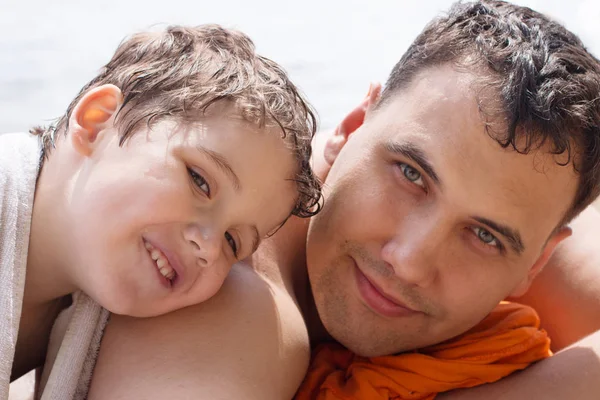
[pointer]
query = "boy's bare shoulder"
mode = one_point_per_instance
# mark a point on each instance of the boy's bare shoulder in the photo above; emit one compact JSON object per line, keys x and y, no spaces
{"x":249,"y":341}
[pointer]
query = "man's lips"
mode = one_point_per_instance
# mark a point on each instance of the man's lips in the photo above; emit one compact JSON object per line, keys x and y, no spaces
{"x":379,"y":301}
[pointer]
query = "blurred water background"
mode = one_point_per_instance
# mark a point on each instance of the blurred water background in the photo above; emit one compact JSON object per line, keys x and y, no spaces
{"x":332,"y":49}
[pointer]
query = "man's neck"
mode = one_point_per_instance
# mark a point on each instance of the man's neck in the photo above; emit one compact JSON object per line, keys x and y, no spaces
{"x":316,"y":330}
{"x":291,"y":255}
{"x":282,"y":260}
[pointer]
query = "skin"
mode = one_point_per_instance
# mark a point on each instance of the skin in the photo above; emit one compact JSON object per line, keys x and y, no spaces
{"x":252,"y":331}
{"x":203,"y":194}
{"x":565,"y":292}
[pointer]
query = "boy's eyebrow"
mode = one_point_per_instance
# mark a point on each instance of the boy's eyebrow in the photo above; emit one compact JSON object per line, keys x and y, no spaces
{"x":512,"y":235}
{"x":223,"y":165}
{"x":410,"y":150}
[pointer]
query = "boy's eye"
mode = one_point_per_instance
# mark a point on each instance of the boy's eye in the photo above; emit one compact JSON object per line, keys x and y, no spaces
{"x":199,"y":181}
{"x":232,"y":243}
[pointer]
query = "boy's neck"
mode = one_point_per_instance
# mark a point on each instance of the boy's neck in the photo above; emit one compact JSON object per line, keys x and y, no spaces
{"x":47,"y":278}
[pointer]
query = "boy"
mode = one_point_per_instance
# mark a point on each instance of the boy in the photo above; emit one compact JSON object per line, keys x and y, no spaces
{"x":166,"y":169}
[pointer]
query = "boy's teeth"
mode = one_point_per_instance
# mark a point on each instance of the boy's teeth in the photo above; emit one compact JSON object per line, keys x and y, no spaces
{"x":155,"y":254}
{"x":167,"y":272}
{"x":162,"y":264}
{"x":164,"y":268}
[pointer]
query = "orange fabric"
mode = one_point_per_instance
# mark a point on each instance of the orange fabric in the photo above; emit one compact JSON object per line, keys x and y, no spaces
{"x":509,"y":339}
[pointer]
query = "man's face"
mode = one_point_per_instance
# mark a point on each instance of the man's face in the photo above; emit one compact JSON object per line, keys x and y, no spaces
{"x":428,"y":222}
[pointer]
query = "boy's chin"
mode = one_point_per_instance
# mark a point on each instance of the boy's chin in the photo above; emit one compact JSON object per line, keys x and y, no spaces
{"x":125,"y":306}
{"x":144,"y":310}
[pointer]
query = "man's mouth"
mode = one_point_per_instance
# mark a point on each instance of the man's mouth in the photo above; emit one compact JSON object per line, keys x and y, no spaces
{"x":161,"y":261}
{"x":378,"y":300}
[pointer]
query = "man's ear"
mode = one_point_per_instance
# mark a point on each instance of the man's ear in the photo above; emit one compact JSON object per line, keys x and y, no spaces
{"x":92,"y":113}
{"x":351,"y":123}
{"x":542,"y":260}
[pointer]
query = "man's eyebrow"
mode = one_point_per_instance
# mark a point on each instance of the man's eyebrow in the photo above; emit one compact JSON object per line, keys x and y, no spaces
{"x":512,"y":235}
{"x":223,"y":165}
{"x":416,"y":154}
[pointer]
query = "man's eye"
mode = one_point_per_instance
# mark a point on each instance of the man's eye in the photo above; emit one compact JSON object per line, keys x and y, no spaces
{"x":199,"y":181}
{"x":486,"y":237}
{"x":411,"y":174}
{"x":231,"y":243}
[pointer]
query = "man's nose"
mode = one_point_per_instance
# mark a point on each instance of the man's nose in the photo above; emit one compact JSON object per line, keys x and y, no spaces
{"x":206,"y":243}
{"x":411,"y":255}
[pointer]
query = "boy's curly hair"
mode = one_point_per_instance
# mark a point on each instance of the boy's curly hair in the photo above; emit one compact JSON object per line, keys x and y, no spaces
{"x":179,"y":72}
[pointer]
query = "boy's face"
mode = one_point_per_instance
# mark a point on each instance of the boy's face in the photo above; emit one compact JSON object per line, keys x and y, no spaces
{"x":428,"y":223}
{"x":156,"y":224}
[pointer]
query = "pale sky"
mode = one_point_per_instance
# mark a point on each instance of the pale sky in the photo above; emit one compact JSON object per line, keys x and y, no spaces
{"x":332,"y":49}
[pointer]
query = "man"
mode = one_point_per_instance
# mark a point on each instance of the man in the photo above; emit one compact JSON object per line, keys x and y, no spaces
{"x":444,"y":195}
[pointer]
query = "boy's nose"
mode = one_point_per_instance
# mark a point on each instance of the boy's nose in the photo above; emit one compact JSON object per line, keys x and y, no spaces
{"x":206,"y":243}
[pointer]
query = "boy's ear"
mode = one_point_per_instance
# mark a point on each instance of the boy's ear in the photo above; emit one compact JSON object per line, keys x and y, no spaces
{"x":541,"y":262}
{"x":351,"y":123}
{"x":92,"y":113}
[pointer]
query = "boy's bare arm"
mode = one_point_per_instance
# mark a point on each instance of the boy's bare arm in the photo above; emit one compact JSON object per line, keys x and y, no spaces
{"x":248,"y":342}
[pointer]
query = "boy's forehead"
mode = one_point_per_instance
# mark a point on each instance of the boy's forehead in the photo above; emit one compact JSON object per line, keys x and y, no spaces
{"x":214,"y":127}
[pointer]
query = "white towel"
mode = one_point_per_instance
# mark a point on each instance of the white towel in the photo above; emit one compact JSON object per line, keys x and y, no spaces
{"x":77,"y":332}
{"x":19,"y":162}
{"x":73,"y":349}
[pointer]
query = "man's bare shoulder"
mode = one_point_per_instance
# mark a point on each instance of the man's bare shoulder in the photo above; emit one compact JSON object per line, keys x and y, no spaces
{"x":249,"y":341}
{"x":573,"y":373}
{"x":566,"y":294}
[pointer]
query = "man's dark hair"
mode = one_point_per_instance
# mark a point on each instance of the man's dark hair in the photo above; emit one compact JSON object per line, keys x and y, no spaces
{"x":546,"y":83}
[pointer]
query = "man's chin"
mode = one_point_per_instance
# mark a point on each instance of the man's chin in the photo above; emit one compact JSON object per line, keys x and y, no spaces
{"x":361,"y":345}
{"x":368,"y":349}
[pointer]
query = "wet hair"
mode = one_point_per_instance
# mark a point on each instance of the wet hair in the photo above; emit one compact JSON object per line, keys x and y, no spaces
{"x":178,"y":73}
{"x":546,"y":83}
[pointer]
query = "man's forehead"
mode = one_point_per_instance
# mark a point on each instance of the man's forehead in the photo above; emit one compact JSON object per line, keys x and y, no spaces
{"x":436,"y":99}
{"x":435,"y":83}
